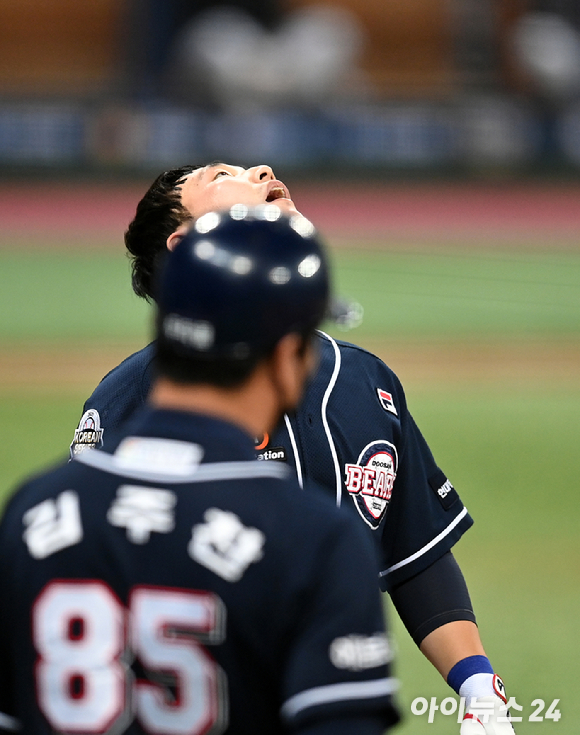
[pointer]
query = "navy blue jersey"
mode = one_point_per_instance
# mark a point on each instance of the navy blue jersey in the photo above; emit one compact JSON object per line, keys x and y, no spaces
{"x":175,"y":585}
{"x":353,"y":435}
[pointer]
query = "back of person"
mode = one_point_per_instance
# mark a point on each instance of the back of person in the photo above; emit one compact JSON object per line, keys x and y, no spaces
{"x":172,"y":585}
{"x":191,"y":576}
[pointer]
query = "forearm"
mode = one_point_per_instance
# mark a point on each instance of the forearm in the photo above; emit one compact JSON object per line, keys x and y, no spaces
{"x":451,"y":643}
{"x":457,"y":653}
{"x":436,"y":609}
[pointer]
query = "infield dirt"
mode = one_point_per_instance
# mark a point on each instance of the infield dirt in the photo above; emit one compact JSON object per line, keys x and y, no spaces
{"x":64,"y":368}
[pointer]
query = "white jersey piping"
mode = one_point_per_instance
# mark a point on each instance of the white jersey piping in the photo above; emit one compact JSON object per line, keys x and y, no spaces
{"x":428,"y":546}
{"x":327,"y":392}
{"x":337,"y":693}
{"x":295,"y":450}
{"x":210,"y":472}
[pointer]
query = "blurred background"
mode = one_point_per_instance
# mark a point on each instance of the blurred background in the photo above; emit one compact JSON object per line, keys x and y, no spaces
{"x":436,"y":145}
{"x":404,"y":85}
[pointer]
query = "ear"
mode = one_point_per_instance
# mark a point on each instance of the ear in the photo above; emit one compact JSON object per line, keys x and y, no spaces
{"x":178,"y":235}
{"x":291,"y":365}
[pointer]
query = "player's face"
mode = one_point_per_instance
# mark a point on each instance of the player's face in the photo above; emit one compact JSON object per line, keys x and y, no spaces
{"x":220,"y":186}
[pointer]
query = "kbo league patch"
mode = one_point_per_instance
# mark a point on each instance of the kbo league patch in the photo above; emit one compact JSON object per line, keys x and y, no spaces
{"x":89,"y":434}
{"x":370,"y":480}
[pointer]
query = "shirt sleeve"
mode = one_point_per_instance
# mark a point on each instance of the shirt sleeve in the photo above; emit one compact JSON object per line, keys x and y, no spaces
{"x":387,"y":471}
{"x":339,"y":660}
{"x":426,"y":516}
{"x":119,"y":394}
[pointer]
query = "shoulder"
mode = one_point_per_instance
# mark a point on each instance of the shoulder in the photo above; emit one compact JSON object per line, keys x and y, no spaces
{"x":350,"y":362}
{"x":134,"y":365}
{"x":33,"y":491}
{"x":118,"y":395}
{"x":349,"y":352}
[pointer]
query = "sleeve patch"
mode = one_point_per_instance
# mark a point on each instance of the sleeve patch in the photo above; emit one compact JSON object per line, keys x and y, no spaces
{"x":386,"y":401}
{"x":89,"y":434}
{"x":443,"y":489}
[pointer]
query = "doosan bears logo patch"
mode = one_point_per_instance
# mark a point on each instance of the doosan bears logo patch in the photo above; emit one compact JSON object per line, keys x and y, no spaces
{"x":89,"y":434}
{"x":370,"y":480}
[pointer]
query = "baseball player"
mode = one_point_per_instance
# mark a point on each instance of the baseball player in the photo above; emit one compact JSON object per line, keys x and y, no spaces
{"x":352,"y":434}
{"x":172,"y":584}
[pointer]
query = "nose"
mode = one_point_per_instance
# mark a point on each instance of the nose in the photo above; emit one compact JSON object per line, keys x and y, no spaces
{"x":261,"y":173}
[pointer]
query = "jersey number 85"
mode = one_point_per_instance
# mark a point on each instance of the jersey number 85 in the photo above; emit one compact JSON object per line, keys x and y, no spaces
{"x":86,"y":640}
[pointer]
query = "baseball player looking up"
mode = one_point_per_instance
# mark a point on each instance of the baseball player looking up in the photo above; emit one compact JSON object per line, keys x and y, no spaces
{"x":352,"y":434}
{"x":172,"y":584}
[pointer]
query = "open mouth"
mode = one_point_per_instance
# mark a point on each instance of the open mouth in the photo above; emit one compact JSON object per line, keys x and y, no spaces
{"x":277,"y":191}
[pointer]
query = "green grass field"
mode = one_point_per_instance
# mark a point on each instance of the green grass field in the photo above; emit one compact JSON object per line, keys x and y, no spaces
{"x":487,"y":344}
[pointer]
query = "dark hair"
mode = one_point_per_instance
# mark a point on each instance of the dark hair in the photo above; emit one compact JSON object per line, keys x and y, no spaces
{"x":187,"y":370}
{"x":222,"y":373}
{"x":159,"y":213}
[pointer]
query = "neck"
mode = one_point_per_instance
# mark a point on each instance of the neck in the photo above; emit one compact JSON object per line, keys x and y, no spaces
{"x":253,"y":407}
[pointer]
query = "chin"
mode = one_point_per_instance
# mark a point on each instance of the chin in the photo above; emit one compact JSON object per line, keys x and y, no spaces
{"x":287,"y":206}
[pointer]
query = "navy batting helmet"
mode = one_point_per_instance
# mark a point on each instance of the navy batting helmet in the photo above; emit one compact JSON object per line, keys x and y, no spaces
{"x":239,"y":281}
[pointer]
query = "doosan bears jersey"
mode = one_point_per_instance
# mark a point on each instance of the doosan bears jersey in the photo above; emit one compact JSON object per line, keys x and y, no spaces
{"x":353,"y":435}
{"x":177,"y":585}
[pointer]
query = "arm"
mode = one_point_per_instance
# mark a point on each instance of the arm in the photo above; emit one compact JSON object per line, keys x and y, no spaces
{"x":435,"y":607}
{"x":450,"y":643}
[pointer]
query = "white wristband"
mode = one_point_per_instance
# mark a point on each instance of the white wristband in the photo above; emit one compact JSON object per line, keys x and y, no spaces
{"x":477,"y":685}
